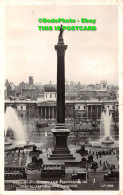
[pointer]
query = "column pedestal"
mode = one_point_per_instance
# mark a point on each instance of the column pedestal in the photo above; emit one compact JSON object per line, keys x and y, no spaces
{"x":61,"y":150}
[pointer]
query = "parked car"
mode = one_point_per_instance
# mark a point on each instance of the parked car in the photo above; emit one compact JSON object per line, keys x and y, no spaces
{"x":41,"y":124}
{"x":111,"y":175}
{"x":79,"y":175}
{"x":94,"y":165}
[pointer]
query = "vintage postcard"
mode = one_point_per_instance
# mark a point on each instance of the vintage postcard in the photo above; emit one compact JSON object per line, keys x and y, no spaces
{"x":61,"y":97}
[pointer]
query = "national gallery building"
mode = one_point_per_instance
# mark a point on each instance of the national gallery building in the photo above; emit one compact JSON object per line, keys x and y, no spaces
{"x":82,"y":110}
{"x":44,"y":108}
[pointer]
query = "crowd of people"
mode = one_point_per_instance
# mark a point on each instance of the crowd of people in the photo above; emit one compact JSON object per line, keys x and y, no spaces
{"x":104,"y":152}
{"x":104,"y":163}
{"x":17,"y":155}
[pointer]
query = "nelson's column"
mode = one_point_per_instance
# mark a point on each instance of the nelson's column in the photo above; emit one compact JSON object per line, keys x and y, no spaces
{"x":60,"y":132}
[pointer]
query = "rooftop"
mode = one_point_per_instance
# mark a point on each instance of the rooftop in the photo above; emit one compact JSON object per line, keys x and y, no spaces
{"x":50,"y":87}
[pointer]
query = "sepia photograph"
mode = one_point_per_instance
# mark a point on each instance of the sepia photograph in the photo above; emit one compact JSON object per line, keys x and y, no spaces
{"x":61,"y":98}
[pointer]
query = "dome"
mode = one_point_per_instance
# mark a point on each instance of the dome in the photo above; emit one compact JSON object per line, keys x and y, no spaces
{"x":50,"y":88}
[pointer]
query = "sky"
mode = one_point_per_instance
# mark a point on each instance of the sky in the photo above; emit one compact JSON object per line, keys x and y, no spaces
{"x":91,"y":56}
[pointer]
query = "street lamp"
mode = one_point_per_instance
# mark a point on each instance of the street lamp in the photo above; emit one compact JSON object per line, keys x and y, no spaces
{"x":74,"y":115}
{"x":86,"y":169}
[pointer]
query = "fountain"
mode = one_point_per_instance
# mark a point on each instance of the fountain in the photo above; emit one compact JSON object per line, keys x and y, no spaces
{"x":13,"y":126}
{"x":106,"y":140}
{"x":106,"y":119}
{"x":15,"y":136}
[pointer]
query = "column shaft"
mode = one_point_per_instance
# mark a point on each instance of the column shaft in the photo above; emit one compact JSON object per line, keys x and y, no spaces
{"x":97,"y":111}
{"x":41,"y":113}
{"x":60,"y":90}
{"x":91,"y":111}
{"x":45,"y":113}
{"x":52,"y":112}
{"x":49,"y":112}
{"x":87,"y":111}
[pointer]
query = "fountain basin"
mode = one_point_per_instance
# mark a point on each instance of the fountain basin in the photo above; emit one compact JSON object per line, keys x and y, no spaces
{"x":8,"y":141}
{"x":107,"y":140}
{"x":106,"y":144}
{"x":96,"y":145}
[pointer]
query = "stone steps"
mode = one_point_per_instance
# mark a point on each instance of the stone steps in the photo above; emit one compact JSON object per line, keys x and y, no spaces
{"x":65,"y":155}
{"x":61,"y":152}
{"x":61,"y":157}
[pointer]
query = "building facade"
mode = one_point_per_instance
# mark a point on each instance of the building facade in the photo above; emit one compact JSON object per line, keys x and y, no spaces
{"x":79,"y":110}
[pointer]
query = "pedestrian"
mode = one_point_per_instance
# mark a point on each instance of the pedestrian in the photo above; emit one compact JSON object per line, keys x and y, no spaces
{"x":111,"y":168}
{"x":100,"y":162}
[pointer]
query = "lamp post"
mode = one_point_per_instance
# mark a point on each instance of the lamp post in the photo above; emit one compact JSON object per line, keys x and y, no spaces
{"x":86,"y":169}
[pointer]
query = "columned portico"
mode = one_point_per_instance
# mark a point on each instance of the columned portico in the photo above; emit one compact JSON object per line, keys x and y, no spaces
{"x":47,"y":112}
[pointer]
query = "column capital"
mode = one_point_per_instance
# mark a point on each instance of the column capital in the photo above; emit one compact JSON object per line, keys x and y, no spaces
{"x":60,"y":49}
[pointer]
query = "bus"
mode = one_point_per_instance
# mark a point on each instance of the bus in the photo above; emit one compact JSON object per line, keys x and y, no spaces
{"x":13,"y":173}
{"x":53,"y":169}
{"x":13,"y":176}
{"x":12,"y":169}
